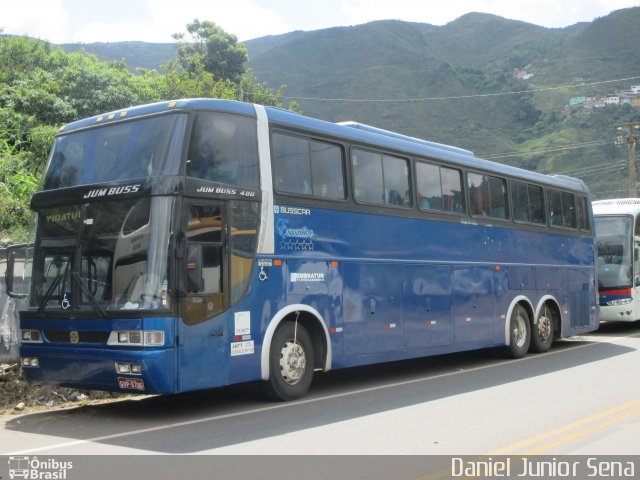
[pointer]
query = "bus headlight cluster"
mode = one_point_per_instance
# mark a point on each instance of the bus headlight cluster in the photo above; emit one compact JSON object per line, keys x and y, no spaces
{"x":30,"y":362}
{"x":30,"y":336}
{"x":622,"y":301}
{"x":132,"y":368}
{"x":136,"y":337}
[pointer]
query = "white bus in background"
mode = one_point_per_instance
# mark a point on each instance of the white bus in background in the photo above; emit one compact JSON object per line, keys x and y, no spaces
{"x":617,"y":228}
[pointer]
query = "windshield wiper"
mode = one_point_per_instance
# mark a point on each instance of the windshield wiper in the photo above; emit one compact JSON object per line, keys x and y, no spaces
{"x":47,"y":295}
{"x":99,"y":309}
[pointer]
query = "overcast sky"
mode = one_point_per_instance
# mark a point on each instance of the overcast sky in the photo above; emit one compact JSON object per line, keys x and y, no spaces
{"x":64,"y":21}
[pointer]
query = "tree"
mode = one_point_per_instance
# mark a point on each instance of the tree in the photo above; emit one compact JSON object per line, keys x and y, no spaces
{"x":217,"y":51}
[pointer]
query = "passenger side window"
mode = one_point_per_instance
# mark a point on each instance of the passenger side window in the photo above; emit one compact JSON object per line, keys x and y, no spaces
{"x":562,"y":209}
{"x":527,"y":203}
{"x":584,"y":222}
{"x":224,"y":148}
{"x":439,"y":188}
{"x":381,"y":179}
{"x":487,"y":195}
{"x":308,"y":167}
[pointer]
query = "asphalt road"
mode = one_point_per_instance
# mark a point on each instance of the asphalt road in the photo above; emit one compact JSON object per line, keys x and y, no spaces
{"x":581,"y":398}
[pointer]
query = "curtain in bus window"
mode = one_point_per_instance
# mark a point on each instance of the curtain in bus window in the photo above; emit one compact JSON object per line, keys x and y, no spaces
{"x":224,"y":148}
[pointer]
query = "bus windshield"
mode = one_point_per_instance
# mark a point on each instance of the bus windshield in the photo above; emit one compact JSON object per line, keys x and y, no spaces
{"x":122,"y":151}
{"x":103,"y":256}
{"x":613,"y":237}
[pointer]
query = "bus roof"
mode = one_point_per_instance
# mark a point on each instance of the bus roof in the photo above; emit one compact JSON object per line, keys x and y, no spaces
{"x":412,"y":146}
{"x":380,"y":131}
{"x":351,"y":131}
{"x":613,"y":206}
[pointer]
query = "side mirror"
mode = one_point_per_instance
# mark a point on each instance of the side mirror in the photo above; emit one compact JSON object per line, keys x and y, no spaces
{"x":195,"y":281}
{"x":636,"y":281}
{"x":18,"y":271}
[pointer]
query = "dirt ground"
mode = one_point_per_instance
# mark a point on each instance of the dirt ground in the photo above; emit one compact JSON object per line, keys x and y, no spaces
{"x":18,"y":397}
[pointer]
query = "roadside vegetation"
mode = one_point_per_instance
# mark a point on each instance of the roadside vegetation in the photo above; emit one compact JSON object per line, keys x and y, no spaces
{"x":42,"y":88}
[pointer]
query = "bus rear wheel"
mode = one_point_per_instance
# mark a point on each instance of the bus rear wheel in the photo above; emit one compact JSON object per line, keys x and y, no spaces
{"x":542,"y":332}
{"x":290,"y":362}
{"x":519,"y":333}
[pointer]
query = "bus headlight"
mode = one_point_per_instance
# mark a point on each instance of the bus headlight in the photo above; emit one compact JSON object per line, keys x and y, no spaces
{"x":622,"y":301}
{"x":30,"y":362}
{"x":128,"y":368}
{"x":152,"y":338}
{"x":30,"y":336}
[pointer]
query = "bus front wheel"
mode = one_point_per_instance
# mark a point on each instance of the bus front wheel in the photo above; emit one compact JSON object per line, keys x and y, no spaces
{"x":290,"y":362}
{"x":519,"y":333}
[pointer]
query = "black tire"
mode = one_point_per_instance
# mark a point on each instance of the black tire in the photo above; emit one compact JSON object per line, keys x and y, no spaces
{"x":290,"y":363}
{"x":519,"y":333}
{"x":542,"y":331}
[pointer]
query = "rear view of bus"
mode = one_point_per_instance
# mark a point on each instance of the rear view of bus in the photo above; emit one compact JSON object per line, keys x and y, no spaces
{"x":618,"y":258}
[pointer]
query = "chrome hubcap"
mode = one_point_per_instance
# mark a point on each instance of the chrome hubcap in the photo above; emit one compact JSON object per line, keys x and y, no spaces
{"x":544,"y":328}
{"x":519,"y":331}
{"x":293,"y":362}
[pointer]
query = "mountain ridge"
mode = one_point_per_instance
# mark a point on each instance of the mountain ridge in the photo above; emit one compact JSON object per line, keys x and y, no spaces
{"x":480,"y":82}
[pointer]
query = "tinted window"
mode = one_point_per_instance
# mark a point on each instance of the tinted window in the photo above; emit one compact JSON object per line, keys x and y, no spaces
{"x":527,"y":203}
{"x":439,"y":188}
{"x":118,"y":151}
{"x":224,"y":148}
{"x":382,"y":179}
{"x":583,"y":214}
{"x":487,"y":195}
{"x":308,"y":167}
{"x":562,"y":209}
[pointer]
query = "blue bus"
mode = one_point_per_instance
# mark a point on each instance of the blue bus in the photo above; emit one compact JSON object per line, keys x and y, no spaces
{"x":198,"y":243}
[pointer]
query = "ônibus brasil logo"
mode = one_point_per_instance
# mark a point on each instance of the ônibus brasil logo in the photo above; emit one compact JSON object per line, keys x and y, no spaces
{"x":36,"y":469}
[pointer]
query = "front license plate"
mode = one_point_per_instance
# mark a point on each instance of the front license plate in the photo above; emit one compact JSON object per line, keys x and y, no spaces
{"x":131,"y":383}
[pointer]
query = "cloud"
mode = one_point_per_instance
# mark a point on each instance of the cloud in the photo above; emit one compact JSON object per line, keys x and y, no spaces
{"x":243,"y":18}
{"x":45,"y":20}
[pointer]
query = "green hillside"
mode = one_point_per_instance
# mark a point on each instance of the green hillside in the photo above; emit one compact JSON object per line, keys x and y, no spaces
{"x":472,"y":59}
{"x":455,"y":84}
{"x":134,"y":54}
